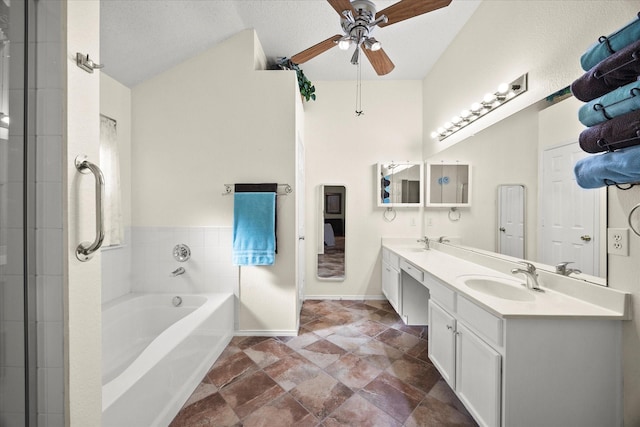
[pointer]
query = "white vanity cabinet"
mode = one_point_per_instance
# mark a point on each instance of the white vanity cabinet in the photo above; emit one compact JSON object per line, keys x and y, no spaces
{"x":551,"y":361}
{"x":469,"y":365}
{"x":391,"y":279}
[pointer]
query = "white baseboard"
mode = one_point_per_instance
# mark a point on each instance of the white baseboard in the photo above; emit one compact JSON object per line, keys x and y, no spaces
{"x":263,"y":333}
{"x":347,"y":297}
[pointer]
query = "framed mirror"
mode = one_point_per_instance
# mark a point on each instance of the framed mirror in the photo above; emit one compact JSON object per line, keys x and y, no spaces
{"x":332,"y":235}
{"x":400,"y":184}
{"x":448,"y":184}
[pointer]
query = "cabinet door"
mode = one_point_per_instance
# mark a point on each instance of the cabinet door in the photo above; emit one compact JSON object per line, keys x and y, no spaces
{"x":391,"y":285}
{"x":478,"y":377}
{"x":442,"y":343}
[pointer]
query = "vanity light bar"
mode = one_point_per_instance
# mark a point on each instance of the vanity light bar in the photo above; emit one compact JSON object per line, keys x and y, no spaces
{"x":491,"y":101}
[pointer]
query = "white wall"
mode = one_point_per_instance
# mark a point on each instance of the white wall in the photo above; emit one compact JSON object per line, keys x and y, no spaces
{"x":344,"y":149}
{"x":546,"y":39}
{"x":215,"y":120}
{"x":505,"y":39}
{"x":83,"y":380}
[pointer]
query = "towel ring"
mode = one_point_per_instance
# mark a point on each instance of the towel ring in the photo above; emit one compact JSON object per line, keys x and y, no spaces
{"x":454,"y":214}
{"x":635,"y":230}
{"x":386,"y":214}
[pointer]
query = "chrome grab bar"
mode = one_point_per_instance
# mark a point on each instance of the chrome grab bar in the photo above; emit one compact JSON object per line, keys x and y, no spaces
{"x":85,"y":250}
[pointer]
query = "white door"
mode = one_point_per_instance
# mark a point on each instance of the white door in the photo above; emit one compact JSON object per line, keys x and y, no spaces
{"x":511,"y":220}
{"x":300,"y":212}
{"x":478,"y":377}
{"x":442,"y":343}
{"x":569,"y":226}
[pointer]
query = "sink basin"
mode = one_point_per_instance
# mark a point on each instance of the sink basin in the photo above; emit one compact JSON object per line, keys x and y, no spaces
{"x":498,"y":287}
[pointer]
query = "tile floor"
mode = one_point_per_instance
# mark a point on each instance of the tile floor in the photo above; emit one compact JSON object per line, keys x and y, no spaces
{"x":354,"y":363}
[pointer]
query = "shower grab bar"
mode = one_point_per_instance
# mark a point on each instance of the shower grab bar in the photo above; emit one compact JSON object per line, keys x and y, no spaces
{"x":85,"y":250}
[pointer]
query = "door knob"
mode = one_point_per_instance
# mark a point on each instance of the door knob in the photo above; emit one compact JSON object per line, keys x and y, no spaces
{"x":586,"y":238}
{"x":502,"y":229}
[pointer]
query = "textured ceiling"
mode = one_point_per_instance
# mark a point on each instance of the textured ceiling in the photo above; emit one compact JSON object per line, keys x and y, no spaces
{"x":141,"y":38}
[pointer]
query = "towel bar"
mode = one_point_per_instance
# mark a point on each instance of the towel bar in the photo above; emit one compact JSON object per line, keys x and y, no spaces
{"x":228,"y":189}
{"x":635,"y":230}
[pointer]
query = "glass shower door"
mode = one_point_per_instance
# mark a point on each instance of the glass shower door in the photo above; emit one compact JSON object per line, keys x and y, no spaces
{"x":17,"y":324}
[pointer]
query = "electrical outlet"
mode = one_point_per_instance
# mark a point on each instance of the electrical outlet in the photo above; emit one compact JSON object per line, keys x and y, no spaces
{"x":618,"y":241}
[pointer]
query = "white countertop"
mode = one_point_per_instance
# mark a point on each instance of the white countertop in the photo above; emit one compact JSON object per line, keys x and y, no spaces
{"x":598,"y":302}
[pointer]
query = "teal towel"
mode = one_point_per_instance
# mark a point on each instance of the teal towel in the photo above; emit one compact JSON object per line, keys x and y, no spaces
{"x":616,"y":41}
{"x":618,"y":167}
{"x":623,"y":100}
{"x":254,"y":238}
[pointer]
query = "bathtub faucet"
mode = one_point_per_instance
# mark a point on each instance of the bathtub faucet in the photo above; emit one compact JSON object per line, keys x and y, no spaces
{"x":178,"y":271}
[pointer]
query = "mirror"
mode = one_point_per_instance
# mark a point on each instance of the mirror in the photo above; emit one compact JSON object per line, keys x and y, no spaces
{"x":331,"y":230}
{"x":400,"y":184}
{"x":511,"y":151}
{"x":511,"y":220}
{"x":448,"y":184}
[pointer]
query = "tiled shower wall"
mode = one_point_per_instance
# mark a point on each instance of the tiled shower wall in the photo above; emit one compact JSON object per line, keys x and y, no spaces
{"x":49,"y":97}
{"x":145,"y":262}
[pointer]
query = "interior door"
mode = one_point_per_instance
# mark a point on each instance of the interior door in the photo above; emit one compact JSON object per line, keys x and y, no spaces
{"x":569,"y":224}
{"x":511,"y":205}
{"x":300,"y":220}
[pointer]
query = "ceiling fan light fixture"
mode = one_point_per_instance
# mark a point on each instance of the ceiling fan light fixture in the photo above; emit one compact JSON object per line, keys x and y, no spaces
{"x":372,"y":44}
{"x":344,"y":43}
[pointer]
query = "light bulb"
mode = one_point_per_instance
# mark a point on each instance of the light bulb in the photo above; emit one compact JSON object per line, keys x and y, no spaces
{"x":475,"y":107}
{"x":489,"y":98}
{"x":441,"y":130}
{"x":434,"y":134}
{"x":448,"y":125}
{"x":344,"y":44}
{"x":503,"y":88}
{"x":465,"y":114}
{"x":456,"y":120}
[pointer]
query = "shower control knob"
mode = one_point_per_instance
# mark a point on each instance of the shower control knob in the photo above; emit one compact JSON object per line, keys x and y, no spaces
{"x":181,"y":252}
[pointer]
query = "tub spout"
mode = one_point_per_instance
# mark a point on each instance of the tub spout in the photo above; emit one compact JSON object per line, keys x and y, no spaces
{"x":178,"y":271}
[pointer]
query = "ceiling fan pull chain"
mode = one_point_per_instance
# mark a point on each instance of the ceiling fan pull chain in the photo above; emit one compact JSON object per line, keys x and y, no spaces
{"x":359,"y":111}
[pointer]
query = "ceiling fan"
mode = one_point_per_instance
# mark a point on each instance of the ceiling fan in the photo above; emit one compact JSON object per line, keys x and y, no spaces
{"x":358,"y":20}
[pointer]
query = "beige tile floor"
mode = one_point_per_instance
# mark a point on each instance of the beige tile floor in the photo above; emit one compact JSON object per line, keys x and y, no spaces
{"x":353,"y":363}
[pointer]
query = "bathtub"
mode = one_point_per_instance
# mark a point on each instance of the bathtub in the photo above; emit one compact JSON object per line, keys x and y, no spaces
{"x":154,"y":354}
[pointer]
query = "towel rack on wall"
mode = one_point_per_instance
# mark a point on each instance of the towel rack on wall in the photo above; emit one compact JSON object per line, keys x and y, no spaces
{"x":635,"y":229}
{"x":286,"y":189}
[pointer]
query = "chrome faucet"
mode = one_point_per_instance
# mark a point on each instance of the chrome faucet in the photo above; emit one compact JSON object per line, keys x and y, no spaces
{"x":561,"y":268}
{"x":178,"y":271}
{"x":424,"y":240}
{"x":530,"y":274}
{"x":442,"y":239}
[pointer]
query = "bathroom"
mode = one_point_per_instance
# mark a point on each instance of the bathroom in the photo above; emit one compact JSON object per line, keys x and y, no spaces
{"x":167,"y":141}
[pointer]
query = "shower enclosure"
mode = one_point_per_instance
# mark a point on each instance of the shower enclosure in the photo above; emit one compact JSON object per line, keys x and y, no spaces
{"x":31,"y":331}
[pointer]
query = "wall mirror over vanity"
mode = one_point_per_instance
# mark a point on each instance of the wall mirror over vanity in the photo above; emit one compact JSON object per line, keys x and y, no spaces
{"x":448,"y":184}
{"x":400,"y":184}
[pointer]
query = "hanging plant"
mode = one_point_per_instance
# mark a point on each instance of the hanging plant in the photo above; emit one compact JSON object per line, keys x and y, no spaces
{"x":307,"y":89}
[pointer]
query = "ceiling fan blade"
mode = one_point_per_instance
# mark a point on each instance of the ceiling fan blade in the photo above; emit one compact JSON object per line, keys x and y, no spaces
{"x":315,"y":50}
{"x":406,"y":9}
{"x":341,"y":5}
{"x":380,"y":61}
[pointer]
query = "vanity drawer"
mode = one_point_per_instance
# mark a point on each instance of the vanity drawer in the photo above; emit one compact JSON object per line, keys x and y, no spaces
{"x":440,"y":292}
{"x":391,"y":258}
{"x":412,"y":270}
{"x":480,"y":320}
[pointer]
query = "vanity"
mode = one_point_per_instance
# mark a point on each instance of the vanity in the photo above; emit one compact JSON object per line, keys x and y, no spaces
{"x":513,"y":356}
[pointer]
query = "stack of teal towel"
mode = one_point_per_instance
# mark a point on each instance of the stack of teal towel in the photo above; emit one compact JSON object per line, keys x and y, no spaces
{"x":610,"y":89}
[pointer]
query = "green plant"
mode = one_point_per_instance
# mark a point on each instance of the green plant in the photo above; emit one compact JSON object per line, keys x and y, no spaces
{"x":307,"y":89}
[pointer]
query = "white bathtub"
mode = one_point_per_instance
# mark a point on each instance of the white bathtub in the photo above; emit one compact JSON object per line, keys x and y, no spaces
{"x":155,"y":354}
